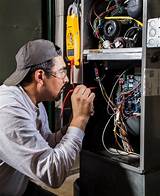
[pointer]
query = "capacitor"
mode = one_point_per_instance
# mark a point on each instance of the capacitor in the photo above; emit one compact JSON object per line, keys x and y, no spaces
{"x":134,"y":8}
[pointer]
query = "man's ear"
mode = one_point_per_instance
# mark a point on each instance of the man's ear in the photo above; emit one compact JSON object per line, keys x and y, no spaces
{"x":39,"y":76}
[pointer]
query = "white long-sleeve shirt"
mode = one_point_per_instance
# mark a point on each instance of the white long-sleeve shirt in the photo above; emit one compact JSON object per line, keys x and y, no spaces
{"x":24,"y":149}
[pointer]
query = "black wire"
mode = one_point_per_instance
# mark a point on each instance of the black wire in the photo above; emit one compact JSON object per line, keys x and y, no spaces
{"x":77,"y":1}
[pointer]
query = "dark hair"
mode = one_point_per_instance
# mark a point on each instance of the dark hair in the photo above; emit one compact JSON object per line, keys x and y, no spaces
{"x":45,"y":66}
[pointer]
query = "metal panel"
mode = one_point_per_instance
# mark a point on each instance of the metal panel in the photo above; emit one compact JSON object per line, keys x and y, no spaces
{"x":114,"y":54}
{"x":101,"y":176}
{"x":150,"y":137}
{"x":150,"y":72}
{"x":20,"y":21}
{"x":100,"y":171}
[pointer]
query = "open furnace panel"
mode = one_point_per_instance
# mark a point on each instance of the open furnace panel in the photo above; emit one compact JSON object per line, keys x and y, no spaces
{"x":120,"y":59}
{"x":114,"y":130}
{"x":112,"y":42}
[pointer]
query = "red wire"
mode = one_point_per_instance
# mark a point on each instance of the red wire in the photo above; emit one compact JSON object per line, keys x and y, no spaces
{"x":65,"y":99}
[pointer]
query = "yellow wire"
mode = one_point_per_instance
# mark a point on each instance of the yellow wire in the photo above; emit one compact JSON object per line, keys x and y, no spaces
{"x":125,"y":17}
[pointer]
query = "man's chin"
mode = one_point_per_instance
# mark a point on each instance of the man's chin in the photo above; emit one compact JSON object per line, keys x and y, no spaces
{"x":58,"y":97}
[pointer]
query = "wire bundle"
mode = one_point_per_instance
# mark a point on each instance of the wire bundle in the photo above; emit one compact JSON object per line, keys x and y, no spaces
{"x":113,"y":27}
{"x":118,"y":114}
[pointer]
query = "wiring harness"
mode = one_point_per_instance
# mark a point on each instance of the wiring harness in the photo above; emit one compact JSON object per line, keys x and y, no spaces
{"x":121,"y":107}
{"x":114,"y":27}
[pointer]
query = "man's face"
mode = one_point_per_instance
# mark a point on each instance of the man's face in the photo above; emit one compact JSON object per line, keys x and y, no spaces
{"x":55,"y":83}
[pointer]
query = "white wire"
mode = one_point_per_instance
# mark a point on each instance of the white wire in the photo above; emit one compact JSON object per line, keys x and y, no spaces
{"x":118,"y":151}
{"x":104,"y":130}
{"x":114,"y":88}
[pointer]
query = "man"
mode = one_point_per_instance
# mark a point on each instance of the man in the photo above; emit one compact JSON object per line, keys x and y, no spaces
{"x":28,"y":149}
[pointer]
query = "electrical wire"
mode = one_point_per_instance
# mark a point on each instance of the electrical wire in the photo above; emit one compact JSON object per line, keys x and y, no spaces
{"x":124,"y":18}
{"x":66,"y":98}
{"x":111,"y":93}
{"x":120,"y":129}
{"x":103,"y":91}
{"x":118,"y":152}
{"x":104,"y":130}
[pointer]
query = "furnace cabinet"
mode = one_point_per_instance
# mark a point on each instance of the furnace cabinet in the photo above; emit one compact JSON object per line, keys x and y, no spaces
{"x":121,"y":61}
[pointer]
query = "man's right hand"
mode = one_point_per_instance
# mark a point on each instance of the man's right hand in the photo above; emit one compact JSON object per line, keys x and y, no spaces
{"x":82,"y":106}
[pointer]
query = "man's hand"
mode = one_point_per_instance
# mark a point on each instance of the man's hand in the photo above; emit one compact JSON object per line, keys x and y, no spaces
{"x":82,"y":106}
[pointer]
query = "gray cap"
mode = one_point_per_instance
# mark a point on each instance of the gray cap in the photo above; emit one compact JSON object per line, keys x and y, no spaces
{"x":32,"y":53}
